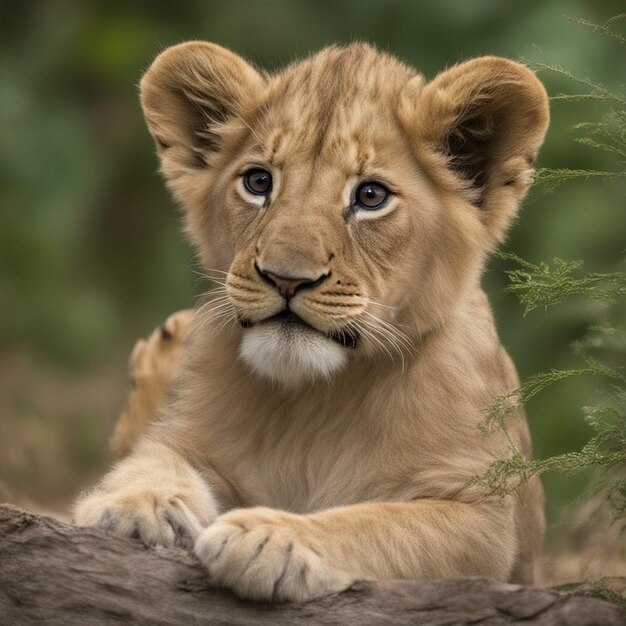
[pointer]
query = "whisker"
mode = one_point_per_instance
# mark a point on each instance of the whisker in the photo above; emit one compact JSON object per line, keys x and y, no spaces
{"x":224,"y":311}
{"x":216,"y":295}
{"x":386,"y":306}
{"x":207,"y":271}
{"x":396,"y":324}
{"x":384,"y":334}
{"x":217,"y":307}
{"x":215,"y":316}
{"x":388,"y":336}
{"x":208,"y":303}
{"x":217,"y":279}
{"x":400,"y":336}
{"x":219,"y":289}
{"x":227,"y":320}
{"x":369,"y":334}
{"x":206,"y":314}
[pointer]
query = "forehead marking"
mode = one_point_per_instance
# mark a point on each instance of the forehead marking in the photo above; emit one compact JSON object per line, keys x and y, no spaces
{"x":364,"y":158}
{"x":273,"y":145}
{"x":332,"y":88}
{"x":330,"y":93}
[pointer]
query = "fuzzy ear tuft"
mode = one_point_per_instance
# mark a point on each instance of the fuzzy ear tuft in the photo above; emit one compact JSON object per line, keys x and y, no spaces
{"x":488,"y":118}
{"x":189,"y":92}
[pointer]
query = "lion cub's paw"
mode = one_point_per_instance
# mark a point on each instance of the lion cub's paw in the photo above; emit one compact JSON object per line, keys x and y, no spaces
{"x":264,"y":554}
{"x":154,"y":518}
{"x":152,"y":367}
{"x":158,"y":355}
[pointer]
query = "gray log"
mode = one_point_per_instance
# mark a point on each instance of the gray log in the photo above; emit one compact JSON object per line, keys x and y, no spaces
{"x":55,"y":573}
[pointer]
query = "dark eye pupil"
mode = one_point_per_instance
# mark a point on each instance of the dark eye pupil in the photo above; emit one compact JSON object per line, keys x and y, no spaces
{"x":258,"y":182}
{"x":371,"y":196}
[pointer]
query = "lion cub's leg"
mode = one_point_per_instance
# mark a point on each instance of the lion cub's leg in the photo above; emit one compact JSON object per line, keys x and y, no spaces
{"x":268,"y":554}
{"x":151,"y":369}
{"x":154,"y":495}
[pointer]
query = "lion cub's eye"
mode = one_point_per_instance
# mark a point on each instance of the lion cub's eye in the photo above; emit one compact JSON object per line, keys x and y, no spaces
{"x":258,"y":182}
{"x":371,"y":195}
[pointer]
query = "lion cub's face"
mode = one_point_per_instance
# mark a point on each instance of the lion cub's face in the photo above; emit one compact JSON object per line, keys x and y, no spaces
{"x":321,"y":201}
{"x":346,"y":221}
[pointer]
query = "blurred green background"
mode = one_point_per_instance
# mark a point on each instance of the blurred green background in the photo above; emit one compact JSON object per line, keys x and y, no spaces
{"x":91,"y":253}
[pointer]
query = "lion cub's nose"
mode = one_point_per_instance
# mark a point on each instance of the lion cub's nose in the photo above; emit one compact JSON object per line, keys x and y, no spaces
{"x":287,"y":285}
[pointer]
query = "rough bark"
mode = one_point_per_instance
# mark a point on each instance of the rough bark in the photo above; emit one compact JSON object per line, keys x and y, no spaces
{"x":56,"y":573}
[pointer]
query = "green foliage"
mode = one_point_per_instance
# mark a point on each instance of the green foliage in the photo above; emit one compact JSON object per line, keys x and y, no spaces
{"x":602,"y":352}
{"x":609,"y":134}
{"x":606,"y":28}
{"x":605,"y":452}
{"x":544,"y":285}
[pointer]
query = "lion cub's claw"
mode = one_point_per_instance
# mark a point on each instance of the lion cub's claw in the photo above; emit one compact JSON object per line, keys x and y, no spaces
{"x":152,"y":518}
{"x":259,"y":554}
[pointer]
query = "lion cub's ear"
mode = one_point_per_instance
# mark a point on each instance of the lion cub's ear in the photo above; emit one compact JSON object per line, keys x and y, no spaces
{"x":187,"y":94}
{"x":488,"y":117}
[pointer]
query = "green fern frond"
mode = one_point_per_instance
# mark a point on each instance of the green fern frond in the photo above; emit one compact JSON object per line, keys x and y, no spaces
{"x":597,"y":91}
{"x":544,"y":285}
{"x":604,"y":29}
{"x":551,"y":178}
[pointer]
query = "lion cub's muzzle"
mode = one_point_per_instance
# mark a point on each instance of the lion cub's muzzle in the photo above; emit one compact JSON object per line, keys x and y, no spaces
{"x":288,"y":286}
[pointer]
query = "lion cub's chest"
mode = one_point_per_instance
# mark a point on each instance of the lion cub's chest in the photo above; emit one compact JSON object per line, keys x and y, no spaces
{"x":307,"y":475}
{"x":308,"y":461}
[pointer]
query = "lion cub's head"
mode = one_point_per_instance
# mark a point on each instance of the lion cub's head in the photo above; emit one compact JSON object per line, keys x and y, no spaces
{"x":349,"y":203}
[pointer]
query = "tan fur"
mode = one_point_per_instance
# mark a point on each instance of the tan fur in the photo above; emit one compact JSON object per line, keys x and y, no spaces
{"x":152,"y":366}
{"x":308,"y":486}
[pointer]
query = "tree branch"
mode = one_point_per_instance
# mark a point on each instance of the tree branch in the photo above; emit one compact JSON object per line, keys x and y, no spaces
{"x":56,"y":573}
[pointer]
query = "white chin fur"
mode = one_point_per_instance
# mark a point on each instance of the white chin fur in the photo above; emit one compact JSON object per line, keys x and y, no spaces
{"x":290,"y":355}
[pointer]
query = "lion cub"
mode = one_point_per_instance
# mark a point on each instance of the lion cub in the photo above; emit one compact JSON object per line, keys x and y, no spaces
{"x":322,"y":427}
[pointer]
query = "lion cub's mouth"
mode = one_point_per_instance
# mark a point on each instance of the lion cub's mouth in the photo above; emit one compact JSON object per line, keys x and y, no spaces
{"x":290,"y":321}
